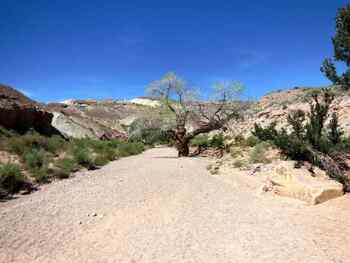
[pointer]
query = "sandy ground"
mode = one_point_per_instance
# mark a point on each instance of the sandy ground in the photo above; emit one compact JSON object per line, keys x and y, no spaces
{"x":157,"y":208}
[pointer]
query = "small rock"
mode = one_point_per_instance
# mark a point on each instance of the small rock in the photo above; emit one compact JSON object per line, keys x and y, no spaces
{"x":93,"y":214}
{"x":80,"y":222}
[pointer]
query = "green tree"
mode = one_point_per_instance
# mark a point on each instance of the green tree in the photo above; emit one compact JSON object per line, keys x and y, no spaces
{"x":317,"y":117}
{"x":335,"y":132}
{"x":341,"y":44}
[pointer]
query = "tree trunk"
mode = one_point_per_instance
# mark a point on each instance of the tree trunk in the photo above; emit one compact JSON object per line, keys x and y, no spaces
{"x":182,"y":148}
{"x":181,"y":142}
{"x":329,"y":165}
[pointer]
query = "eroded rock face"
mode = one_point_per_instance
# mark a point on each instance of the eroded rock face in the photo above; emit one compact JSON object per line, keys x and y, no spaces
{"x":75,"y":127}
{"x":299,"y":183}
{"x":18,"y":112}
{"x":106,"y":119}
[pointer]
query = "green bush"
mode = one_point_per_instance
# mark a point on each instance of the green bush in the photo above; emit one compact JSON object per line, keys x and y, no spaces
{"x":291,"y":146}
{"x":217,"y":141}
{"x":200,"y":141}
{"x":265,"y":134}
{"x":125,"y":149}
{"x":150,"y":136}
{"x":25,"y":143}
{"x":203,"y":141}
{"x":11,"y":177}
{"x":236,"y":151}
{"x":82,"y":156}
{"x":342,"y":146}
{"x":55,"y":144}
{"x":251,"y":141}
{"x":258,"y":154}
{"x":40,"y":174}
{"x":335,"y":133}
{"x":106,"y":151}
{"x":17,"y":145}
{"x":35,"y":159}
{"x":5,"y":133}
{"x":65,"y":167}
{"x":101,"y":160}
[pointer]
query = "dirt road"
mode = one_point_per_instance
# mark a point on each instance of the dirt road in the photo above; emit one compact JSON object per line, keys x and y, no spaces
{"x":156,"y":208}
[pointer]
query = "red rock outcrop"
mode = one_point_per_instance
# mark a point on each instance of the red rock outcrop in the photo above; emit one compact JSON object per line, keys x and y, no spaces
{"x":18,"y":112}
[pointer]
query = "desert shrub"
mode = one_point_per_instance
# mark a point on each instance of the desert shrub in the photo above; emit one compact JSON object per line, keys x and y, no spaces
{"x":61,"y":174}
{"x":5,"y":133}
{"x":16,"y":145}
{"x":25,"y":143}
{"x":101,"y":160}
{"x":291,"y":146}
{"x":109,"y":154}
{"x":114,"y":143}
{"x":40,"y":174}
{"x":150,"y":136}
{"x":217,"y":141}
{"x":265,"y":134}
{"x":200,"y":141}
{"x":55,"y":144}
{"x":65,"y":167}
{"x":67,"y":164}
{"x":235,"y":151}
{"x":11,"y":177}
{"x":239,"y":163}
{"x":125,"y":149}
{"x":82,"y":156}
{"x":239,"y":140}
{"x":104,"y":149}
{"x":34,"y":159}
{"x":258,"y":154}
{"x":37,"y":164}
{"x":252,"y":140}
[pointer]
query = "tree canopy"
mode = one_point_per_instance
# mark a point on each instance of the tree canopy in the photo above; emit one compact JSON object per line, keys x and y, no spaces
{"x":341,"y":44}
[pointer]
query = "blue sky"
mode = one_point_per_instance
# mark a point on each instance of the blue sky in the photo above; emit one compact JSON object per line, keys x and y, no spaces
{"x":54,"y":50}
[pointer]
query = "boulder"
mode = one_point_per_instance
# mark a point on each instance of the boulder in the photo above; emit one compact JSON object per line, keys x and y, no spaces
{"x":68,"y":127}
{"x":80,"y":127}
{"x":313,"y":187}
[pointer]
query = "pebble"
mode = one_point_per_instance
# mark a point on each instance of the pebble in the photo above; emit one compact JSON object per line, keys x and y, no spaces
{"x":92,"y":214}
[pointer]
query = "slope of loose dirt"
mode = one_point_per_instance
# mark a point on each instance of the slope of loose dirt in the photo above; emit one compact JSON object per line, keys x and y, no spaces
{"x":157,"y":208}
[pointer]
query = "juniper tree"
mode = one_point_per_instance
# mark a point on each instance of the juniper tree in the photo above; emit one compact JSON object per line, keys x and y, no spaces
{"x":341,"y":44}
{"x":335,"y":132}
{"x":317,"y":116}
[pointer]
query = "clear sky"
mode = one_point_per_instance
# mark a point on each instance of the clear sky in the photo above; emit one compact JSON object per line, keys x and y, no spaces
{"x":54,"y":50}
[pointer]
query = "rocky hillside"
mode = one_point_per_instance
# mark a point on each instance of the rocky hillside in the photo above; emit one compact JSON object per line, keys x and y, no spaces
{"x":274,"y":107}
{"x":98,"y":119}
{"x":104,"y":119}
{"x":107,"y":119}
